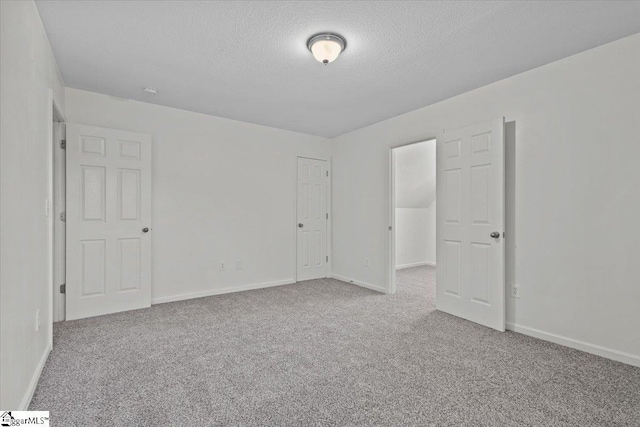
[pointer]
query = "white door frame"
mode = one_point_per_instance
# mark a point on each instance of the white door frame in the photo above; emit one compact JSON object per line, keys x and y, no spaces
{"x":295,"y":212}
{"x":391,"y":199}
{"x":54,"y":115}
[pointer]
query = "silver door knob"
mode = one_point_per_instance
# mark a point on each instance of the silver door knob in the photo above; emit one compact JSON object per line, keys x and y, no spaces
{"x":495,"y":234}
{"x":145,"y":230}
{"x":300,"y":225}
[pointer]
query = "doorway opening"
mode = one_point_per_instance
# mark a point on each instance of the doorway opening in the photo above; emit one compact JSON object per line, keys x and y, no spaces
{"x":413,"y":218}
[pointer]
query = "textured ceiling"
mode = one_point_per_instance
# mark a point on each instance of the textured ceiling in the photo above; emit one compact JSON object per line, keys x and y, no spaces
{"x":248,"y":60}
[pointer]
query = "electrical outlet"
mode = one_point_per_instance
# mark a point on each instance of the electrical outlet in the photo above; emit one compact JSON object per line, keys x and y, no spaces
{"x":366,"y":262}
{"x":37,"y":324}
{"x":515,"y":291}
{"x":239,"y":265}
{"x":222,"y":266}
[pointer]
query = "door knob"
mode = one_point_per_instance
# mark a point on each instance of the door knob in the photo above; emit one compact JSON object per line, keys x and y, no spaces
{"x":145,"y":230}
{"x":495,"y":234}
{"x":300,"y":225}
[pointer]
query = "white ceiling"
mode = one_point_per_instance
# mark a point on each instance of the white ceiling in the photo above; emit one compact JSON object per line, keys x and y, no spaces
{"x":248,"y":60}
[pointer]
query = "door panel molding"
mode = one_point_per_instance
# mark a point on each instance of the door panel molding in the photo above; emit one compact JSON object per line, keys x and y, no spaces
{"x":312,"y":258}
{"x":470,"y":282}
{"x":108,"y":189}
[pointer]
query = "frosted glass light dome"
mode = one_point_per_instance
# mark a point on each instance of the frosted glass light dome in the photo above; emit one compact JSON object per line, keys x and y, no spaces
{"x":326,"y":47}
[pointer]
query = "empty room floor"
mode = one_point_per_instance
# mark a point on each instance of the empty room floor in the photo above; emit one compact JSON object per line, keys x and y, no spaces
{"x":323,"y":352}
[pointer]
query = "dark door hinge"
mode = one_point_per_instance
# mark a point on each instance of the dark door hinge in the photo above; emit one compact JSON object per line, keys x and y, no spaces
{"x":63,"y":144}
{"x":63,"y":216}
{"x":63,"y":288}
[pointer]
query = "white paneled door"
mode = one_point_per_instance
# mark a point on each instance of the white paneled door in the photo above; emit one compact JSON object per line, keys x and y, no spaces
{"x":108,"y":221}
{"x":470,"y":223}
{"x":312,"y":219}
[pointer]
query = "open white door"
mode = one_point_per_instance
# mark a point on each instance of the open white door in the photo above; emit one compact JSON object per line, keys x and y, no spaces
{"x":108,"y":264}
{"x":470,"y":223}
{"x":312,"y":219}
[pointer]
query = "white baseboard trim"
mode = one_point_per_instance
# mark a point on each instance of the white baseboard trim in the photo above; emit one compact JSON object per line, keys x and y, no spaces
{"x":220,"y":291}
{"x":619,"y":356}
{"x":26,"y":399}
{"x":415,"y":264}
{"x":359,"y":283}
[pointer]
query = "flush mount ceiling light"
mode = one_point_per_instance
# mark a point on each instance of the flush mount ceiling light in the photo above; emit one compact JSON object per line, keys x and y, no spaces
{"x":326,"y":46}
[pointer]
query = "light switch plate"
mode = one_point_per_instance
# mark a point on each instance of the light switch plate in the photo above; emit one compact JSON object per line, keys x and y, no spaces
{"x":515,"y":291}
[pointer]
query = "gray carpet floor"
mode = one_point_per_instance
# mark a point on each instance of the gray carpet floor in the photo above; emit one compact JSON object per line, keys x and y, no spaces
{"x":323,"y":353}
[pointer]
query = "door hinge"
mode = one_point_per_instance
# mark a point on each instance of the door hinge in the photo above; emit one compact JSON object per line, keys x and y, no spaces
{"x":503,"y":234}
{"x":63,"y":216}
{"x":327,"y":258}
{"x":327,"y":173}
{"x":63,"y":288}
{"x":389,"y":228}
{"x":63,"y":144}
{"x":327,"y":215}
